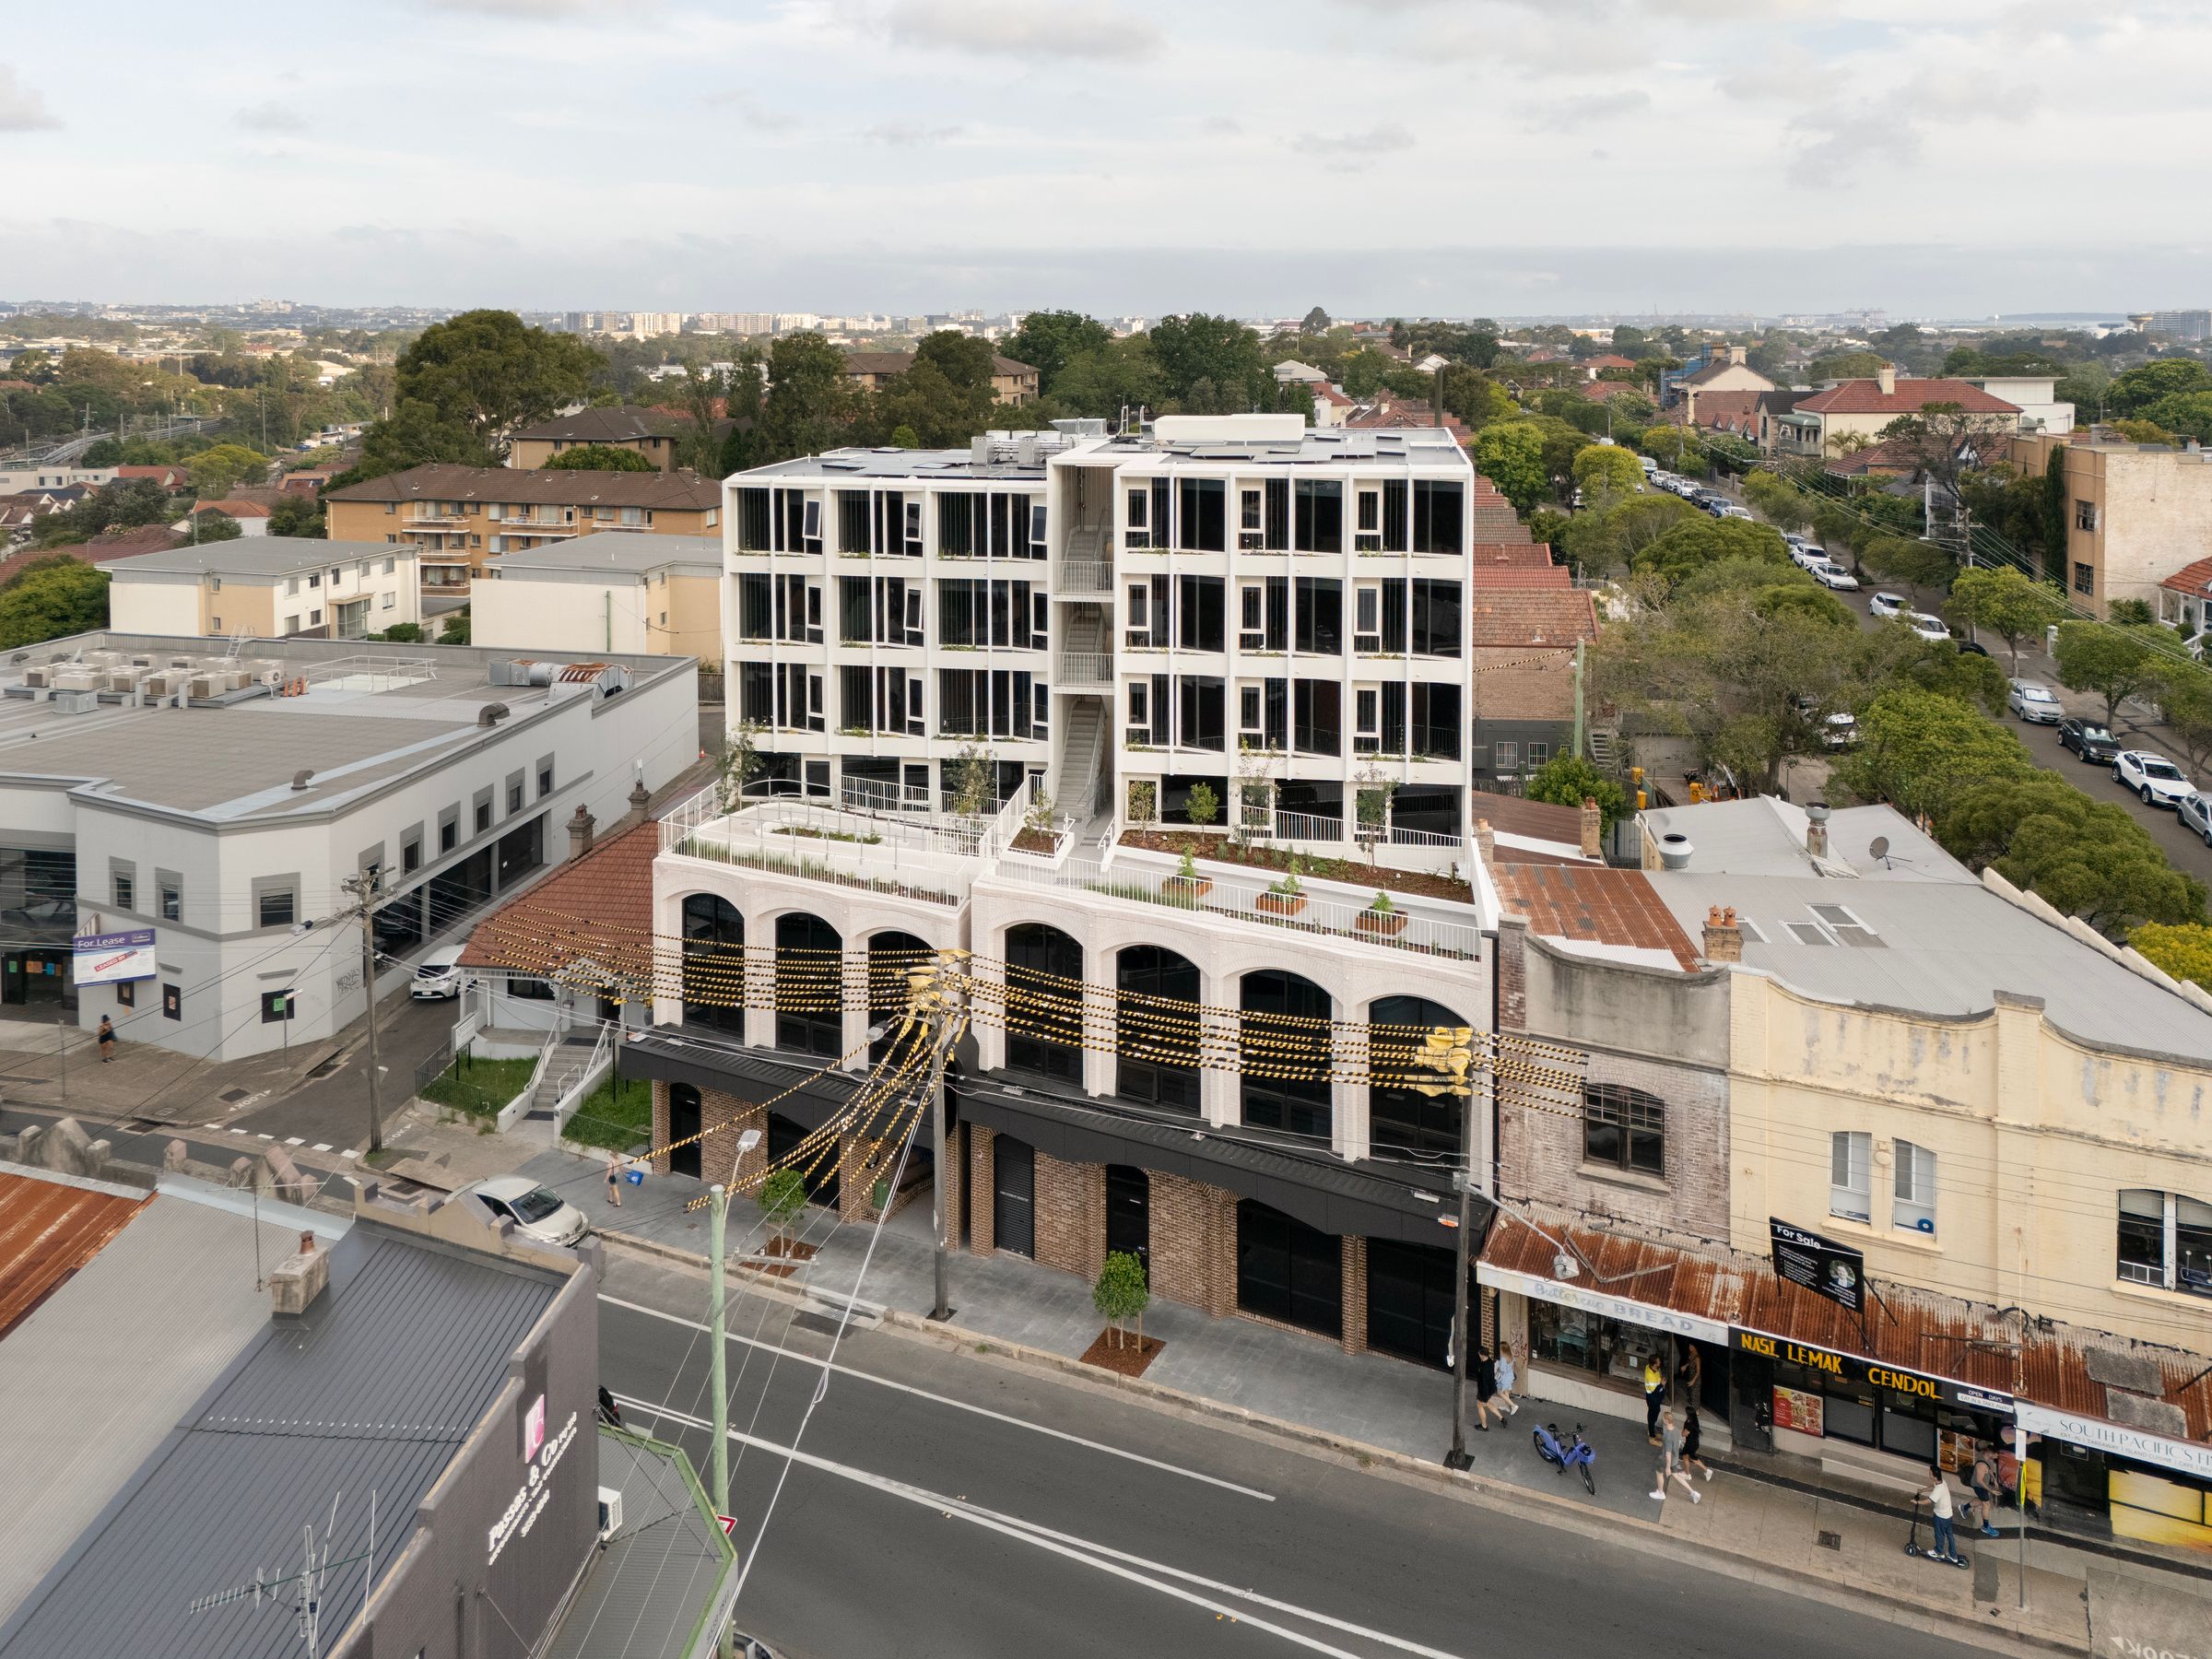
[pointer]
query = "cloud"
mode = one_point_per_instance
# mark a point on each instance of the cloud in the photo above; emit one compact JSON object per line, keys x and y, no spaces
{"x":1595,"y":106}
{"x":541,"y":11}
{"x":1348,"y":152}
{"x":1022,"y":29}
{"x":1839,"y":141}
{"x":271,"y":117}
{"x":22,"y":109}
{"x":749,"y":109}
{"x":906,"y":135}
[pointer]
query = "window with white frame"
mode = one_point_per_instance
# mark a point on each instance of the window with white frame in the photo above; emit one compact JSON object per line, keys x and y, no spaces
{"x":1250,"y":525}
{"x":1914,"y":1204}
{"x":1851,"y":1175}
{"x":2165,"y":1240}
{"x":1140,"y":711}
{"x":1137,"y":528}
{"x":1251,"y":616}
{"x":1138,"y":621}
{"x":1367,"y":616}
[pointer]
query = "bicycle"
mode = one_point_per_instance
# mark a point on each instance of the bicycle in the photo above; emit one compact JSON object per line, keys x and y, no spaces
{"x":1577,"y":1453}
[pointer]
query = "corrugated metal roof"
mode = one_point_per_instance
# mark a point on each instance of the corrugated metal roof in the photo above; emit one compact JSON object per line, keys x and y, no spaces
{"x":648,"y":1592}
{"x":130,"y":1343}
{"x":48,"y":1230}
{"x":1914,"y":1330}
{"x":375,"y":1390}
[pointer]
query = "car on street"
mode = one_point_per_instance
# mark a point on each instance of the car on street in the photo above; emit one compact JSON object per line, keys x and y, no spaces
{"x":1886,"y":603}
{"x":1968,"y":647}
{"x":1928,"y":628}
{"x":1839,"y":730}
{"x":1830,"y":574}
{"x":538,"y":1211}
{"x":2196,"y":816}
{"x":2157,"y":780}
{"x":2032,"y":701}
{"x":438,"y":975}
{"x":2092,"y":742}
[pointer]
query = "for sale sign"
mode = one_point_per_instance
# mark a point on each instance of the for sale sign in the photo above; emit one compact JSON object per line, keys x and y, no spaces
{"x":1821,"y":1266}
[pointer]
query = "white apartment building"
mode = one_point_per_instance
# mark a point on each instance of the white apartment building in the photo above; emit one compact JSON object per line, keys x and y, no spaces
{"x":1228,"y":600}
{"x":266,"y":587}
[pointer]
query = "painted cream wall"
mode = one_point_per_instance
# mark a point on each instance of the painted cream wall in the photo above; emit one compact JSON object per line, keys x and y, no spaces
{"x":155,"y":603}
{"x":694,"y":607}
{"x":521,"y":612}
{"x":2035,"y":1134}
{"x":235,"y":604}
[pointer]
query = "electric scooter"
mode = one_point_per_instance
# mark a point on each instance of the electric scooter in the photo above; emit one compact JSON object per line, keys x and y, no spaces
{"x":1914,"y":1547}
{"x":1573,"y":1453}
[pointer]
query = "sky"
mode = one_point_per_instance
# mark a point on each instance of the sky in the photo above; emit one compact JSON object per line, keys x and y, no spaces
{"x":1927,"y":158}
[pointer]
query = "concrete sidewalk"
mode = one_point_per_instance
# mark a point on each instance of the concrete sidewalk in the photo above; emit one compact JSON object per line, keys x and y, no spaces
{"x":1385,"y":1411}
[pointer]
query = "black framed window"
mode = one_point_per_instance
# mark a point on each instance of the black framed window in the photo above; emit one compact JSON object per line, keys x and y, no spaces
{"x":713,"y":971}
{"x":1046,"y":966}
{"x":1201,"y":613}
{"x":1287,"y":1271}
{"x":276,"y":1006}
{"x":1156,"y":1051}
{"x":891,"y":955}
{"x":275,"y":909}
{"x":1199,"y":704}
{"x":1286,"y":1053}
{"x":1435,"y":719}
{"x":811,"y":1002}
{"x":1401,"y":1119}
{"x":1204,"y":521}
{"x":1317,"y":717}
{"x":1436,"y":618}
{"x":1624,"y":1128}
{"x":1320,"y":615}
{"x":1393,"y":514}
{"x":1320,"y":515}
{"x":753,"y":520}
{"x":1437,"y":514}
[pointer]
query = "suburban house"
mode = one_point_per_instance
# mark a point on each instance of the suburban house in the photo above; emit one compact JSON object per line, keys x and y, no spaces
{"x":2185,"y":600}
{"x":251,"y":517}
{"x":1824,"y":422}
{"x":2136,"y":514}
{"x":654,"y":434}
{"x":1726,"y":373}
{"x":1522,"y":657}
{"x":1011,"y":383}
{"x":461,"y":518}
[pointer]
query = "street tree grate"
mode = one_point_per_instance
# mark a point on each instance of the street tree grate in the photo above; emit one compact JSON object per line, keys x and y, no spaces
{"x":1831,"y":1540}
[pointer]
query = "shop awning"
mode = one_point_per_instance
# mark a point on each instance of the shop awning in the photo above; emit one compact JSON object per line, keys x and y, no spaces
{"x":2133,"y":1399}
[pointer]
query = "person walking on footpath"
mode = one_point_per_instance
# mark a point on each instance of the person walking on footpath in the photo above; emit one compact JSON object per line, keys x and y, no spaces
{"x":1485,"y":1375}
{"x":107,"y":1039}
{"x":1939,"y":1505}
{"x":1693,"y":1433}
{"x":1655,"y":1396}
{"x":1504,"y":1376}
{"x":1670,"y":1460}
{"x":614,"y":1179}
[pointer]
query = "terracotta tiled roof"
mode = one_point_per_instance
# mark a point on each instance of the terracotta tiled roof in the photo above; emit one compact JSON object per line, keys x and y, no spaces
{"x":1519,"y":576}
{"x":169,"y":478}
{"x":2194,"y":580}
{"x":1516,"y":815}
{"x":1595,"y":904}
{"x":1521,"y":554}
{"x":1529,"y":617}
{"x":1610,"y":360}
{"x":679,"y":491}
{"x":1866,"y":397}
{"x":598,"y":907}
{"x":234,"y":508}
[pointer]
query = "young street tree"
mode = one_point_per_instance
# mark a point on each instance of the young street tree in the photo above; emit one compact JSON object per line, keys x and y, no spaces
{"x":2006,"y":603}
{"x":783,"y":1196}
{"x":1120,"y":1295}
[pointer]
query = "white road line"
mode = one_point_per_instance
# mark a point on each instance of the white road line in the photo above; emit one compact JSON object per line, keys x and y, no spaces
{"x":236,"y":1130}
{"x":908,"y":1388}
{"x":211,"y":1126}
{"x":321,"y":1146}
{"x":267,"y":1137}
{"x":1078,"y":1549}
{"x":294,"y":1140}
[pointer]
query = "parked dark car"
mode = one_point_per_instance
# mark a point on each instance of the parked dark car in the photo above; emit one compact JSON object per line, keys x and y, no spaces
{"x":2088,"y":740}
{"x":1968,"y":647}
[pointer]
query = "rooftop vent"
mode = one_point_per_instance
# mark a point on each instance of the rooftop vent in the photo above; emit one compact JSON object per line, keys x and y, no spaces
{"x":490,"y":714}
{"x":1675,"y":851}
{"x":301,"y":777}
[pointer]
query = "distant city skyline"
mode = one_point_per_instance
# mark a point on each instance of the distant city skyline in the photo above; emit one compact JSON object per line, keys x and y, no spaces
{"x":1374,"y":157}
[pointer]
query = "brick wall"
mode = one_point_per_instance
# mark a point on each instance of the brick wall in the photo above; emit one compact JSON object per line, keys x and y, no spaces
{"x":982,"y":1182}
{"x":1542,"y":689}
{"x":1187,"y":1247}
{"x":1355,"y":1295}
{"x":727,"y":1118}
{"x":1071,"y":1216}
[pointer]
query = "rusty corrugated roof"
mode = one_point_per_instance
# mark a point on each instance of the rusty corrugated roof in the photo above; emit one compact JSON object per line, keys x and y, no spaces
{"x":1914,"y":1330}
{"x":47,"y":1231}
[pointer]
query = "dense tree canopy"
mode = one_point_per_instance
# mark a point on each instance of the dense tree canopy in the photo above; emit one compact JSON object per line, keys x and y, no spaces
{"x":1049,"y":340}
{"x":1509,"y":453}
{"x":2087,"y":857}
{"x":599,"y":457}
{"x":51,"y":598}
{"x":488,"y":373}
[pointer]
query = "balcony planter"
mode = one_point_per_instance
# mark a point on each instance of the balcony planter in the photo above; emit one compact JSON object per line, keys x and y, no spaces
{"x":1281,"y":904}
{"x":1186,"y":889}
{"x":1385,"y":923}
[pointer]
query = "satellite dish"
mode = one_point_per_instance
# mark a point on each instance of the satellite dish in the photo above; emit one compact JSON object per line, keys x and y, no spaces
{"x":1881,"y":848}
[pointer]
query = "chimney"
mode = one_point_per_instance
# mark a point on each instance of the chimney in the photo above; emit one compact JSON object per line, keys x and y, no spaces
{"x":1723,"y":938}
{"x":1594,"y":823}
{"x":640,"y":798}
{"x":1886,"y":378}
{"x":295,"y":1282}
{"x":579,"y":831}
{"x":1736,"y":354}
{"x":1816,"y":830}
{"x":1486,"y":840}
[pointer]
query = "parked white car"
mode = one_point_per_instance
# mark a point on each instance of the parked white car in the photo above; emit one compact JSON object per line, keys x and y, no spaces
{"x":1928,"y":628}
{"x":438,"y":976}
{"x":1830,"y":574}
{"x":2157,"y":780}
{"x":537,"y":1211}
{"x":2034,"y":702}
{"x":1886,"y":605}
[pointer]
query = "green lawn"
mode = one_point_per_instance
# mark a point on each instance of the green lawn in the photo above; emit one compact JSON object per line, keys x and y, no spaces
{"x":617,"y":1115}
{"x":481,"y":1087}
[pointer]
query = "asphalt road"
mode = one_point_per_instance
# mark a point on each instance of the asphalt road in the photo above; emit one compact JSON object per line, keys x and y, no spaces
{"x":956,"y":1507}
{"x":334,"y":1108}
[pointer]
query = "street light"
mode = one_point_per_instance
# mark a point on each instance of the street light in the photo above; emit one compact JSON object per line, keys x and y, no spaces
{"x":720,"y":1212}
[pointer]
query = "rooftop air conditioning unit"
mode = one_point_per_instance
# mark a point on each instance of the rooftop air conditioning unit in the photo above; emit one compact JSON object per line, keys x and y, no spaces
{"x":121,"y":680}
{"x":76,"y":702}
{"x":610,"y":1511}
{"x":76,"y":678}
{"x":38,"y":678}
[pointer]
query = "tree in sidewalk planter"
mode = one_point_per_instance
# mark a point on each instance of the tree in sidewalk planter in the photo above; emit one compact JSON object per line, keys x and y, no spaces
{"x":1570,"y":779}
{"x":1606,"y":474}
{"x":1371,"y":792}
{"x":1203,"y":805}
{"x":1920,"y":750}
{"x":1143,"y":801}
{"x":1121,"y":1296}
{"x":1782,"y":502}
{"x":2112,"y":662}
{"x":781,"y":1199}
{"x":2085,"y":858}
{"x":1509,"y":453}
{"x":2006,"y":603}
{"x":2182,"y":949}
{"x":599,"y":457}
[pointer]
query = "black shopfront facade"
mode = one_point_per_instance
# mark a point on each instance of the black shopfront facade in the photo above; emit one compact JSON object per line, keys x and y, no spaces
{"x":1791,"y":1396}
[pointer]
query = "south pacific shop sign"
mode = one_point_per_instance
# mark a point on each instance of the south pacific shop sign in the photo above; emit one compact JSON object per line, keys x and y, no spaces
{"x":1851,"y":1368}
{"x":523,"y":1509}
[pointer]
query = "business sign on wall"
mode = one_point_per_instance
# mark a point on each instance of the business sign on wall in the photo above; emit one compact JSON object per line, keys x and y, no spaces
{"x":2117,"y":1439}
{"x":109,"y":959}
{"x":541,"y":1454}
{"x":1821,"y":1266}
{"x":1599,"y":1302}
